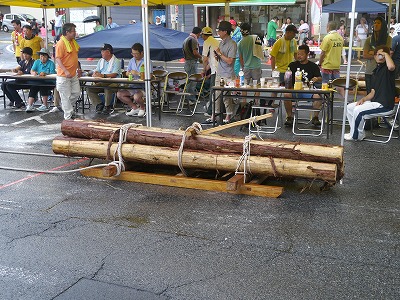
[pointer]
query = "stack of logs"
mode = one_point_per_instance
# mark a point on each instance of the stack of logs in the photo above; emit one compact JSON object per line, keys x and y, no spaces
{"x":158,"y":146}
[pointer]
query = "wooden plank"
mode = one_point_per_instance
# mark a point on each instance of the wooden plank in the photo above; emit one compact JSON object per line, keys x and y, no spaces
{"x":235,"y":182}
{"x":238,"y":123}
{"x":186,"y":182}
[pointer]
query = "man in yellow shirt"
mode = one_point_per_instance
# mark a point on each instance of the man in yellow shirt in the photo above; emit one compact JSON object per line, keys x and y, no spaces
{"x":32,"y":41}
{"x":331,"y":54}
{"x":16,"y":38}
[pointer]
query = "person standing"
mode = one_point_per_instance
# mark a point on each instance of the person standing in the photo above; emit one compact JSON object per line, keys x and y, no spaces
{"x":362,"y":32}
{"x":16,"y":37}
{"x":331,"y":54}
{"x":98,"y":26}
{"x":107,"y":67}
{"x":32,"y":41}
{"x":303,"y":31}
{"x":271,"y":31}
{"x":68,"y":70}
{"x":209,"y":61}
{"x":249,"y":57}
{"x":191,"y":53}
{"x":133,"y":96}
{"x":288,"y":21}
{"x":379,"y":37}
{"x":282,"y":54}
{"x":111,"y":24}
{"x":379,"y":101}
{"x":226,"y":55}
{"x":236,"y":35}
{"x":58,"y":23}
{"x":395,"y":53}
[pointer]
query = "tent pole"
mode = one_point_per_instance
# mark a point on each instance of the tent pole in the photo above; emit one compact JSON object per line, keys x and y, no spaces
{"x":147,"y":71}
{"x":353,"y":10}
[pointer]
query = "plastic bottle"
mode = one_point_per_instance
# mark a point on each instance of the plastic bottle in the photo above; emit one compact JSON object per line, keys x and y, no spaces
{"x":122,"y":64}
{"x":130,"y":77}
{"x":298,"y":83}
{"x":241,"y":77}
{"x":141,"y":72}
{"x":275,"y":78}
{"x":222,"y":82}
{"x":288,"y":79}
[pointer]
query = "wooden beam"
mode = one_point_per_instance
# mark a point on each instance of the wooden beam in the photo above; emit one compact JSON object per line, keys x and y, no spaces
{"x":186,"y":182}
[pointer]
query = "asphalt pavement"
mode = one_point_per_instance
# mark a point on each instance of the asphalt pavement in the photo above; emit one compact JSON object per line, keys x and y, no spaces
{"x":65,"y":236}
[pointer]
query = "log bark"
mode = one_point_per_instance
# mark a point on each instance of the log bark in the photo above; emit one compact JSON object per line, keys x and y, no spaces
{"x":208,"y":143}
{"x":278,"y":167}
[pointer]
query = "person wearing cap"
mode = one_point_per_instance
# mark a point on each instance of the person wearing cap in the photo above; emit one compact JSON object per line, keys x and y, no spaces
{"x":32,"y":41}
{"x":209,"y":61}
{"x":41,"y":67}
{"x":192,"y":56}
{"x":108,"y":66}
{"x":283,"y":52}
{"x":68,"y":69}
{"x":16,"y":37}
{"x":272,"y":26}
{"x":133,"y":96}
{"x":331,"y":54}
{"x":236,"y":35}
{"x":10,"y":87}
{"x":226,"y":55}
{"x":158,"y":20}
{"x":111,"y":24}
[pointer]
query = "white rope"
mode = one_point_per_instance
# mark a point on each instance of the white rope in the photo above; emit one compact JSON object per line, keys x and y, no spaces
{"x":197,"y":128}
{"x":253,"y":121}
{"x":117,"y":162}
{"x":245,"y":157}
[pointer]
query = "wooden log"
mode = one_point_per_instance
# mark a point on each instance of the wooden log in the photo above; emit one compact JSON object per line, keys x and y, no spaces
{"x":278,"y":167}
{"x":209,"y":143}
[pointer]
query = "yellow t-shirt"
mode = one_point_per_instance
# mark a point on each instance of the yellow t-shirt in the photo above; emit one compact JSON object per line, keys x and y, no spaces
{"x":283,"y":54}
{"x":33,"y":43}
{"x":17,"y":45}
{"x":332,"y":45}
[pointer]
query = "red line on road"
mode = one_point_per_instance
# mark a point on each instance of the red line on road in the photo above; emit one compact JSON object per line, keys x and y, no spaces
{"x":41,"y":173}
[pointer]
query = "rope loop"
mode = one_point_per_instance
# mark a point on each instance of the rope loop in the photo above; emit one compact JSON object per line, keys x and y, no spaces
{"x":197,"y":128}
{"x":245,"y":157}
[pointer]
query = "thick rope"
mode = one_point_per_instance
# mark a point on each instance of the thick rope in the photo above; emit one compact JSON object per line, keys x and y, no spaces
{"x":197,"y":128}
{"x":245,"y":157}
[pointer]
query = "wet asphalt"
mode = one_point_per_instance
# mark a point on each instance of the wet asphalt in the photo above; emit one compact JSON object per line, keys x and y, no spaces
{"x":65,"y":236}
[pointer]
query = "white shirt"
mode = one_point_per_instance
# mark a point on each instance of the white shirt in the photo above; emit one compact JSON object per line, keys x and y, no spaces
{"x":209,"y":46}
{"x":58,"y":21}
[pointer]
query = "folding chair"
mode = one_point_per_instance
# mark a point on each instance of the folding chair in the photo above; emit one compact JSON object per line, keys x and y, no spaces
{"x":195,"y":78}
{"x":341,"y":82}
{"x":306,"y":105}
{"x":393,"y":113}
{"x":179,"y":81}
{"x":259,"y":110}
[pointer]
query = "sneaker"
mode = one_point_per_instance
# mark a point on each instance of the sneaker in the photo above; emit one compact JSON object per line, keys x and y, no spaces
{"x":315,"y":121}
{"x":55,"y":109}
{"x":20,"y":105}
{"x":42,"y":108}
{"x":208,"y":121}
{"x":70,"y":117}
{"x":141,"y":113}
{"x":99,"y":108}
{"x":395,"y":123}
{"x":107,"y":110}
{"x":133,"y":112}
{"x":30,"y":108}
{"x":289,"y":121}
{"x":226,"y":121}
{"x":348,"y":137}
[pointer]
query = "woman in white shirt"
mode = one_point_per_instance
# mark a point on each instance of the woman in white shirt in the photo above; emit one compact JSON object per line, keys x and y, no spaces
{"x":361,"y":32}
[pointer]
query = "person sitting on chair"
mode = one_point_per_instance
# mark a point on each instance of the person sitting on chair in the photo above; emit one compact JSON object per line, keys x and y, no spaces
{"x":379,"y":101}
{"x":134,"y":95}
{"x":107,"y":67}
{"x":10,"y":87}
{"x":310,"y":72}
{"x":41,"y":67}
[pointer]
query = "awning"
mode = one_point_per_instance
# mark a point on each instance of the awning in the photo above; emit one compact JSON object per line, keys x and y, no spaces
{"x":251,"y":3}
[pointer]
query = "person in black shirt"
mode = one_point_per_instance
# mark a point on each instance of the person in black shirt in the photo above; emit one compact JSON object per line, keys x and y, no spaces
{"x":379,"y":101}
{"x":311,"y":72}
{"x":10,"y":88}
